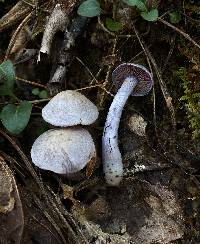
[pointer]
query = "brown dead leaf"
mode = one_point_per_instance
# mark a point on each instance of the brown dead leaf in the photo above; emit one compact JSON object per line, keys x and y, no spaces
{"x":11,"y":214}
{"x":169,"y":102}
{"x":68,"y":193}
{"x":22,"y":38}
{"x":90,"y":166}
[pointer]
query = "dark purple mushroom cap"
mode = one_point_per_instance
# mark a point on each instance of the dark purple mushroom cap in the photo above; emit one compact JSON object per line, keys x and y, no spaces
{"x":144,"y":77}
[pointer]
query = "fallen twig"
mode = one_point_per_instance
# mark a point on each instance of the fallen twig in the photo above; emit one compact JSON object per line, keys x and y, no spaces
{"x":163,"y":86}
{"x":32,"y":83}
{"x":180,"y":32}
{"x":12,"y":41}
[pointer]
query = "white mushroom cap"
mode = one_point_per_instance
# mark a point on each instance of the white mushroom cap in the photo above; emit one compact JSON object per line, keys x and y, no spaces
{"x":63,"y":151}
{"x":70,"y":108}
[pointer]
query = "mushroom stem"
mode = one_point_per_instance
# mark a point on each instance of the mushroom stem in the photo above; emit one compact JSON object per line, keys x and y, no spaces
{"x":111,"y":156}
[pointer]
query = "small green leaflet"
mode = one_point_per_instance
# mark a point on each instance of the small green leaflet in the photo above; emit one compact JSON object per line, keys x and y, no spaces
{"x":35,"y":91}
{"x":152,"y":15}
{"x":174,"y":17}
{"x":15,"y":118}
{"x":137,"y":3}
{"x":43,"y":94}
{"x":113,"y":25}
{"x":141,"y":6}
{"x":89,"y":8}
{"x":131,"y":2}
{"x":7,"y":75}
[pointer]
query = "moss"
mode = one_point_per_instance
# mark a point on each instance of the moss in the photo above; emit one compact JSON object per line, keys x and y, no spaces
{"x":192,"y":9}
{"x":191,"y":100}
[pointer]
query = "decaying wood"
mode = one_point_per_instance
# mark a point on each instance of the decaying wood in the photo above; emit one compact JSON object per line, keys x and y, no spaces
{"x":57,"y":21}
{"x":66,"y":54}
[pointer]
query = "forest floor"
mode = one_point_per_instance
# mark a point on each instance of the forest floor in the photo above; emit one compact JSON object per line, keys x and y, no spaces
{"x":158,"y":200}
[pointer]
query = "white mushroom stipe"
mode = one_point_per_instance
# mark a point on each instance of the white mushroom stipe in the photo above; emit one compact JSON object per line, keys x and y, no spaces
{"x":113,"y":167}
{"x":63,"y":151}
{"x":135,"y":80}
{"x":69,"y":108}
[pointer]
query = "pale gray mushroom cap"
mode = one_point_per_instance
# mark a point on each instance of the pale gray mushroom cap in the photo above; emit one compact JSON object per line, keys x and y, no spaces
{"x":63,"y":151}
{"x":70,"y":108}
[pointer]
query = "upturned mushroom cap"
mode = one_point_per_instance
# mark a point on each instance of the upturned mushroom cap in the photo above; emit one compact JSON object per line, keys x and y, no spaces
{"x":70,"y":108}
{"x":144,"y":77}
{"x":63,"y":151}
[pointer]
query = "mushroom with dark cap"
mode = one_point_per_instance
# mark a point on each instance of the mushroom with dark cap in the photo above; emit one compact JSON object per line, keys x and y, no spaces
{"x":131,"y":79}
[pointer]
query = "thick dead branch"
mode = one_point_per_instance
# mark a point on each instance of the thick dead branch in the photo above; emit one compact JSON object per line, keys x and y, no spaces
{"x":57,"y":21}
{"x":66,"y":56}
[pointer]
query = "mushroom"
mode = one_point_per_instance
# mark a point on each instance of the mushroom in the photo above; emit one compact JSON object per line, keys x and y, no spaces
{"x":63,"y":151}
{"x":67,"y":150}
{"x":130,"y":79}
{"x":69,"y":108}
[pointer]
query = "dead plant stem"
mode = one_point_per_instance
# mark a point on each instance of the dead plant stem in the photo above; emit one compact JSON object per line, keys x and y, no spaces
{"x":180,"y":32}
{"x":32,"y":83}
{"x":163,"y":85}
{"x":14,"y":36}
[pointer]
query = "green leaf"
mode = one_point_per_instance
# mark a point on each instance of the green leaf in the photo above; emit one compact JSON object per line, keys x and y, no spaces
{"x":89,"y":8}
{"x":131,"y":2}
{"x":137,"y":3}
{"x":113,"y":25}
{"x":174,"y":17}
{"x":43,"y":94}
{"x":15,"y":118}
{"x":152,"y":15}
{"x":5,"y":91}
{"x":35,"y":91}
{"x":7,"y":73}
{"x":142,"y":7}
